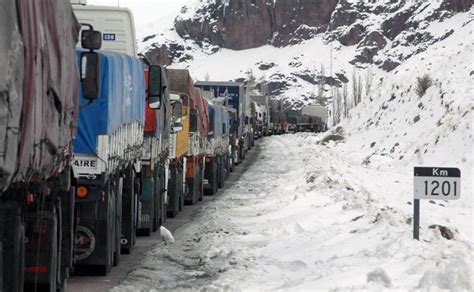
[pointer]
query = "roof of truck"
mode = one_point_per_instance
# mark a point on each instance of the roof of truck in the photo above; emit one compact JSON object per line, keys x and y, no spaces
{"x":219,"y":83}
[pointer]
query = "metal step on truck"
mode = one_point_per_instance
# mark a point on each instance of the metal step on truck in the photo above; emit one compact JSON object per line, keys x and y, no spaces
{"x":110,"y":133}
{"x":39,"y":92}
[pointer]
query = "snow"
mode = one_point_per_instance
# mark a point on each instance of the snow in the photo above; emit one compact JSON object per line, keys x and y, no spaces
{"x":336,"y":216}
{"x":308,"y":216}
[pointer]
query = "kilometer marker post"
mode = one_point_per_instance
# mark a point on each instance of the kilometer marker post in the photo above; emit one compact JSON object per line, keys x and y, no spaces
{"x":416,"y":219}
{"x":434,"y":183}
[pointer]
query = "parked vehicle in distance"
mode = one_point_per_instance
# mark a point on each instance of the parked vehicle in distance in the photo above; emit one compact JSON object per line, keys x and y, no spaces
{"x":233,"y":94}
{"x":217,"y":147}
{"x":317,"y":117}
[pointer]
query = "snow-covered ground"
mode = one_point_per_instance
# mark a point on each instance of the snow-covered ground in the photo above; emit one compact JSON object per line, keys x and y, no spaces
{"x":307,"y":216}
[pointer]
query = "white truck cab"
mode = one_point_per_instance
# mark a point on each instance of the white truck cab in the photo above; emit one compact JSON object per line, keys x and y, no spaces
{"x":116,"y":24}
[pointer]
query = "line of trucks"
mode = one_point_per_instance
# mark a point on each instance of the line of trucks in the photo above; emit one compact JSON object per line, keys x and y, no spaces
{"x":98,"y":145}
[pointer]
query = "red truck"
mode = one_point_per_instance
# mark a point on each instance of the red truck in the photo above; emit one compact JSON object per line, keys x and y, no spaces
{"x":39,"y":95}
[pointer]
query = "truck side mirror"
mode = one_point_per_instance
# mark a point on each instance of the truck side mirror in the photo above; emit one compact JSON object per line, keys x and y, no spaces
{"x":90,"y":75}
{"x":177,"y":111}
{"x":246,"y":120}
{"x":91,"y":39}
{"x":177,"y":127}
{"x":154,"y":87}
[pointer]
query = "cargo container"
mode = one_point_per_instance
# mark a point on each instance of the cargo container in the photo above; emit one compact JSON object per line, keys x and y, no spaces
{"x":39,"y":88}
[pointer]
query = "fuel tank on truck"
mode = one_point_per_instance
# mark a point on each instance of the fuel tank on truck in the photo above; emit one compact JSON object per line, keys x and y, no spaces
{"x":38,"y":88}
{"x":118,"y":113}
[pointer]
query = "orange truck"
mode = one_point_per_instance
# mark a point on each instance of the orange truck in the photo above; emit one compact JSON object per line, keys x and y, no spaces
{"x":180,"y":89}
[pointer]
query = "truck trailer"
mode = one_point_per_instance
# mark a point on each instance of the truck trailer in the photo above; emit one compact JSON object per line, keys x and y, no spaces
{"x":217,"y":148}
{"x":39,"y":85}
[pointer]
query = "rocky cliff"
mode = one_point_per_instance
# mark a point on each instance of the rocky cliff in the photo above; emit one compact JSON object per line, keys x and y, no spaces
{"x":244,"y":24}
{"x":287,"y":43}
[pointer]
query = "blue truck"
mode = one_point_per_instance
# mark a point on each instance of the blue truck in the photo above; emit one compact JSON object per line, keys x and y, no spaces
{"x":217,"y":148}
{"x":233,"y":95}
{"x":106,"y":165}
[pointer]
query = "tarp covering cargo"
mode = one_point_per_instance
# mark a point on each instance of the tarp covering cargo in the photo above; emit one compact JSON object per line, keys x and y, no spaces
{"x":121,"y":100}
{"x":180,"y":81}
{"x":38,"y":87}
{"x":203,"y":111}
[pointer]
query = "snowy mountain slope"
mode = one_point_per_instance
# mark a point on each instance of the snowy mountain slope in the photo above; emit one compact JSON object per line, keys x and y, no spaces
{"x":392,"y":121}
{"x":380,"y":35}
{"x":320,"y":220}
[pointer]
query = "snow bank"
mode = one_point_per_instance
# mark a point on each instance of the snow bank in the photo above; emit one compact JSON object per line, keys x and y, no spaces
{"x":307,"y":216}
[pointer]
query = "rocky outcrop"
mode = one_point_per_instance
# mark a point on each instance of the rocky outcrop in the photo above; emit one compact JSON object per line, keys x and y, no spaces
{"x":167,"y":54}
{"x":244,"y":24}
{"x":385,"y":33}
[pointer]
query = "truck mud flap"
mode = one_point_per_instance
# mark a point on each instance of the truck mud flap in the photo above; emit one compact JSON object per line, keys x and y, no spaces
{"x":211,"y":177}
{"x":95,"y":231}
{"x":12,"y":235}
{"x":128,"y":212}
{"x":175,"y":191}
{"x":147,"y":200}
